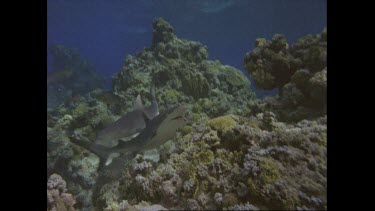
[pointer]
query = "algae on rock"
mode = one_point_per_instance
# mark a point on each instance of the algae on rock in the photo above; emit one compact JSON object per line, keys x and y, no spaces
{"x":182,"y":73}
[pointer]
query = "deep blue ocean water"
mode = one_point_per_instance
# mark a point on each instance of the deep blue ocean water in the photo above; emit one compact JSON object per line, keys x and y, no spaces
{"x":104,"y":32}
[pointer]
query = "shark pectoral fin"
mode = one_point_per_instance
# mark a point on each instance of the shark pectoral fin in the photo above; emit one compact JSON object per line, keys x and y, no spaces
{"x":135,"y":135}
{"x":111,"y":157}
{"x":129,"y":137}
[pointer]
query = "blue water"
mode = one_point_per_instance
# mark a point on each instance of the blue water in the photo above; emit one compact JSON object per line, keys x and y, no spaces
{"x":106,"y":31}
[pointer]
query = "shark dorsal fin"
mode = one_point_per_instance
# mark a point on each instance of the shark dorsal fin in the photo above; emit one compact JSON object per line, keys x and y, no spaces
{"x":138,"y":105}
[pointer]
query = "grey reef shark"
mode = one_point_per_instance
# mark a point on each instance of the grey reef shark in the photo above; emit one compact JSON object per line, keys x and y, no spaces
{"x":140,"y":130}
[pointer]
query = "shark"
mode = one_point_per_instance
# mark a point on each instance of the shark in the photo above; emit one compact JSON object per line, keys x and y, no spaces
{"x":121,"y":136}
{"x":158,"y":130}
{"x":147,"y":128}
{"x":130,"y":124}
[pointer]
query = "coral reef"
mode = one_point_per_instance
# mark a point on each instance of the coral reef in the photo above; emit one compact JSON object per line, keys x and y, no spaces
{"x":236,"y":153}
{"x":57,"y":197}
{"x":298,"y":71}
{"x":261,"y":173}
{"x":182,"y":73}
{"x":78,"y":165}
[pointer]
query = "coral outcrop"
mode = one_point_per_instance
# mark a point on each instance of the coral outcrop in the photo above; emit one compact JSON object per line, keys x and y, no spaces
{"x":182,"y":72}
{"x":299,"y":72}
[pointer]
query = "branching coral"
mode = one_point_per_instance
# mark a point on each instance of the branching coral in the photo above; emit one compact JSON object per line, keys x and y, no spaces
{"x":57,"y":198}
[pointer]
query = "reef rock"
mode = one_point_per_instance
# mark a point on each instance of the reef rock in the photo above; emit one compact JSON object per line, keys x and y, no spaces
{"x":182,"y":73}
{"x":299,"y":72}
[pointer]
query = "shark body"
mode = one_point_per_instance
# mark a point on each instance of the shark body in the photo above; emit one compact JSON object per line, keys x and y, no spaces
{"x":157,"y":131}
{"x":146,"y":128}
{"x":141,"y":129}
{"x":129,"y":125}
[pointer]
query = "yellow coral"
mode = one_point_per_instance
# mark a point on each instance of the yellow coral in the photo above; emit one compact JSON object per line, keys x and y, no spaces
{"x":172,"y":96}
{"x":253,"y":189}
{"x":204,"y":157}
{"x":270,"y":171}
{"x":80,"y":110}
{"x":253,"y":123}
{"x":223,"y":123}
{"x":186,"y":129}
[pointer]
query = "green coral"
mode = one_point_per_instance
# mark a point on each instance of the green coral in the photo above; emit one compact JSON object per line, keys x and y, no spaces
{"x":317,"y":86}
{"x":269,"y":171}
{"x":101,"y":116}
{"x":253,"y":188}
{"x":168,"y":147}
{"x":229,"y":158}
{"x":204,"y":157}
{"x":301,"y":78}
{"x":207,"y":106}
{"x":292,"y":96}
{"x":234,"y":77}
{"x":198,"y":117}
{"x":65,"y":120}
{"x":163,"y":32}
{"x":254,"y":123}
{"x":195,"y":84}
{"x":81,"y":110}
{"x":62,"y":111}
{"x":186,"y":129}
{"x":262,"y":78}
{"x":270,"y":63}
{"x":171,"y":96}
{"x":223,"y":123}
